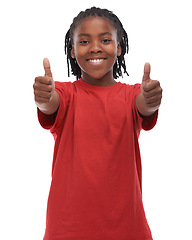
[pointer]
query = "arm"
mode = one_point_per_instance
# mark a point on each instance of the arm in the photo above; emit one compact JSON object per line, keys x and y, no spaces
{"x":149,"y":100}
{"x":46,"y":98}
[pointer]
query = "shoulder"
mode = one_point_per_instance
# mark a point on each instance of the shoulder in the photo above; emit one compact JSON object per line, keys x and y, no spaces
{"x":130,"y":86}
{"x":131,"y":91}
{"x":70,"y":86}
{"x":65,"y":88}
{"x":63,"y":85}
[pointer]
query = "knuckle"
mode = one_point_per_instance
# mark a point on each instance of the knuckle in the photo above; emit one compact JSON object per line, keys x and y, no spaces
{"x":37,"y":99}
{"x":158,"y":83}
{"x":35,"y":91}
{"x":37,"y":79}
{"x":35,"y":86}
{"x":49,"y":95}
{"x":50,"y":88}
{"x":46,"y":79}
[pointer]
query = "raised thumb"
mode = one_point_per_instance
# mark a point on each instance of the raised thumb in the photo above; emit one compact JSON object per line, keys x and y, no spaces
{"x":146,"y":74}
{"x":47,"y":67}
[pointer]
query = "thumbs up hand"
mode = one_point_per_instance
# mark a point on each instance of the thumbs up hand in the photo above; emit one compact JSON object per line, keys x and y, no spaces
{"x":44,"y":86}
{"x":46,"y":98}
{"x":151,"y":94}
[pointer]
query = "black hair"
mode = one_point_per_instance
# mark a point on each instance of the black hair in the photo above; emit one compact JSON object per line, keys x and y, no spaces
{"x":121,"y":34}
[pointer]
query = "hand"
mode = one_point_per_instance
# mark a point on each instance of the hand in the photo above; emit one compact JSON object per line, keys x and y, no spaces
{"x":151,"y":90}
{"x":44,"y":86}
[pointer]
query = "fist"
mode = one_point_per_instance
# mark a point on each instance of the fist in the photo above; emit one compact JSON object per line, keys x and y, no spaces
{"x":44,"y":86}
{"x":151,"y":90}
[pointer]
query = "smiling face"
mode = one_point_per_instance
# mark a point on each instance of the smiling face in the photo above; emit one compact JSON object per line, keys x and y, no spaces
{"x":95,"y":48}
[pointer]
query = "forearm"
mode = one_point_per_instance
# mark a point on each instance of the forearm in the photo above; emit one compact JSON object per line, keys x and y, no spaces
{"x":51,"y":106}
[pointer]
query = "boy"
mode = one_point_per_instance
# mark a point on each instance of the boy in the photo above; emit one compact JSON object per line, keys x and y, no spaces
{"x":96,"y":190}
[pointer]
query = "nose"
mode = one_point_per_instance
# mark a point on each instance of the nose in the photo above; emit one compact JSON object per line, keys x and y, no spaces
{"x":95,"y":47}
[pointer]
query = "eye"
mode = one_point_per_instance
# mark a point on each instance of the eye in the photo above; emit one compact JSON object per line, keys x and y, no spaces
{"x":83,"y":42}
{"x":106,"y":40}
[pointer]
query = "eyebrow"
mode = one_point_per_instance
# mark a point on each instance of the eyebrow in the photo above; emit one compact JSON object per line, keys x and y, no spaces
{"x":88,"y":35}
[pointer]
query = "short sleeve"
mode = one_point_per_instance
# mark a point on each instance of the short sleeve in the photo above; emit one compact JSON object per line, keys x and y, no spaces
{"x":145,"y":123}
{"x":53,"y":121}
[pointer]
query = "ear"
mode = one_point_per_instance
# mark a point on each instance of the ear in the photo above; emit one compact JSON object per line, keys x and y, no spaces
{"x":73,"y":52}
{"x":118,"y":50}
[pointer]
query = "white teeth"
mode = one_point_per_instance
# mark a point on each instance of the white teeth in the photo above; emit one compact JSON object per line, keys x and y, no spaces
{"x":96,"y":60}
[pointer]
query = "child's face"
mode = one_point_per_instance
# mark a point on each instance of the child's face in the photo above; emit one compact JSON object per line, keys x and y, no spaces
{"x":95,"y":48}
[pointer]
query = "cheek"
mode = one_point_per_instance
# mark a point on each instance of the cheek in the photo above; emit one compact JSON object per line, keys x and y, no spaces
{"x":112,"y":50}
{"x":80,"y":58}
{"x":112,"y":56}
{"x":79,"y":54}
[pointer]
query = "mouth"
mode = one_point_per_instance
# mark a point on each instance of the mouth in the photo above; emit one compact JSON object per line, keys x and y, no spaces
{"x":96,"y":60}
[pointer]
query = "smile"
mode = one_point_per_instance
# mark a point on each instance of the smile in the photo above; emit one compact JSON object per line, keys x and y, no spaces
{"x":96,"y":60}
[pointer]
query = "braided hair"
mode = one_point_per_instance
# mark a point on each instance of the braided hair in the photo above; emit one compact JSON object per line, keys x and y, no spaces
{"x":121,"y":35}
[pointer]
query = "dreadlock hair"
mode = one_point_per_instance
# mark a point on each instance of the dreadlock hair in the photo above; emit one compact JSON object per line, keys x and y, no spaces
{"x":121,"y":35}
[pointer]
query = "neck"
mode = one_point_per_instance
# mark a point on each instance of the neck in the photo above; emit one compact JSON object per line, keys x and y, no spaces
{"x":106,"y":81}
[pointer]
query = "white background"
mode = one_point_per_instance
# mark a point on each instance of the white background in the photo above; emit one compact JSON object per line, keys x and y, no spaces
{"x":160,"y":33}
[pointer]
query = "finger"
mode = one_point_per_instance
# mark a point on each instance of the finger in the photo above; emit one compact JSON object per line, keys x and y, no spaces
{"x":152,"y":94}
{"x":151,"y":84}
{"x":44,"y":80}
{"x":42,"y":94}
{"x":42,"y":87}
{"x":154,"y":104}
{"x":146,"y":74}
{"x":47,"y":67}
{"x":154,"y":99}
{"x":41,"y":99}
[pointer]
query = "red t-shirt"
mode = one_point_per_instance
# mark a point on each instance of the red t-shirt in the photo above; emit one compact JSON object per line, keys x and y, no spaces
{"x":96,"y":191}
